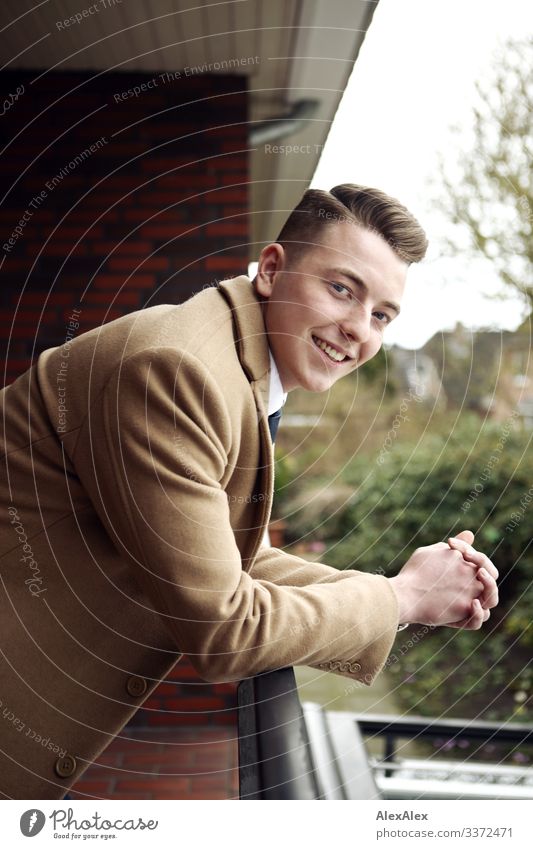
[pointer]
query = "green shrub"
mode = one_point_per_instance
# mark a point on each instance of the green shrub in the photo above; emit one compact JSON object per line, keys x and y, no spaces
{"x":477,"y":478}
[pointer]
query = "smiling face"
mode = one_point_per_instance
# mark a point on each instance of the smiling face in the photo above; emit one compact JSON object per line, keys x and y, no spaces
{"x":325,"y":308}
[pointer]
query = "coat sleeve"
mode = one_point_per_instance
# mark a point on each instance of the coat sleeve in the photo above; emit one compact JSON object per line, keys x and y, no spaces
{"x":376,"y":621}
{"x":153,"y":456}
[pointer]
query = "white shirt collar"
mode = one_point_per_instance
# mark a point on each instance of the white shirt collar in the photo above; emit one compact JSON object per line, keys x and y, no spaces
{"x":276,"y":395}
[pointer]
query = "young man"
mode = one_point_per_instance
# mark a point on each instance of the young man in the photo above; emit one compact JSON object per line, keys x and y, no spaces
{"x":135,"y":501}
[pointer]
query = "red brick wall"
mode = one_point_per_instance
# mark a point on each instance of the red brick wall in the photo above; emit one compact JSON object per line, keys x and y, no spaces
{"x":158,"y":210}
{"x":152,"y":212}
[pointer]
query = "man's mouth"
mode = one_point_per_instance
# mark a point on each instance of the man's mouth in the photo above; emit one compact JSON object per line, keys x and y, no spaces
{"x":333,"y":354}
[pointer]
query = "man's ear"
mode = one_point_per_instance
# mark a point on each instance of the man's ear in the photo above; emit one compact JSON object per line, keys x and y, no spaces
{"x":271,"y":260}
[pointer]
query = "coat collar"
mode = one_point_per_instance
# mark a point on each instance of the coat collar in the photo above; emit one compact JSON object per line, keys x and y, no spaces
{"x":251,"y":336}
{"x":253,"y":351}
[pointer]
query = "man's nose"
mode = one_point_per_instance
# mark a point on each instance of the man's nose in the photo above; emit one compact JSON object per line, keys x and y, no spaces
{"x":356,"y":323}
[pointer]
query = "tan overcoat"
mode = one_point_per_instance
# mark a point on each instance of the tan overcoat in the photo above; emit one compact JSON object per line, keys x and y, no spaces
{"x":137,"y":483}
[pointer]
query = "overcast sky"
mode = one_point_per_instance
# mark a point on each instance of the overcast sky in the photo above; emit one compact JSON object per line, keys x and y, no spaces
{"x":413,"y":80}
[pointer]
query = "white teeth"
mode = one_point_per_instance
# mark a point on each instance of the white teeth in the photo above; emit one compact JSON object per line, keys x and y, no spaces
{"x":331,"y":352}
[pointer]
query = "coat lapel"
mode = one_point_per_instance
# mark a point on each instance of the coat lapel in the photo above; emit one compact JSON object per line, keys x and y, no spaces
{"x":252,"y":347}
{"x":251,"y":335}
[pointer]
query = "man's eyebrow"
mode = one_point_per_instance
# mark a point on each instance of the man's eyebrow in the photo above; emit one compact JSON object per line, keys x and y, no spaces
{"x":352,"y":275}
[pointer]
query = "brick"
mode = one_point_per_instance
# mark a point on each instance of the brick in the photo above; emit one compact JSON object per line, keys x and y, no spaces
{"x":137,"y":214}
{"x":224,"y":263}
{"x":153,"y":740}
{"x":236,"y":178}
{"x":225,"y":689}
{"x":131,"y":795}
{"x":225,"y":164}
{"x":116,"y":281}
{"x":152,"y":707}
{"x":155,"y":263}
{"x":81,"y":231}
{"x":102,"y":200}
{"x":168,"y":231}
{"x":62,"y":249}
{"x":130,"y":247}
{"x":228,"y":228}
{"x":103,"y":248}
{"x":124,"y":297}
{"x":19,"y":366}
{"x":10,"y":217}
{"x":216,"y":781}
{"x":94,"y":317}
{"x":184,"y":671}
{"x":155,"y":785}
{"x":216,"y":750}
{"x":88,"y":216}
{"x":228,"y":717}
{"x":177,"y":759}
{"x":157,"y":198}
{"x":112,"y":756}
{"x":193,"y":704}
{"x":207,"y":797}
{"x":19,"y":331}
{"x":228,"y":195}
{"x":92,"y":788}
{"x":177,"y":216}
{"x":107,"y":281}
{"x":170,"y":720}
{"x":235,"y":209}
{"x":127,"y":149}
{"x":12,"y":264}
{"x":165,"y":689}
{"x":18,"y":348}
{"x":126,"y":182}
{"x":161,"y":164}
{"x":52,"y":299}
{"x":21,"y":316}
{"x":222,"y":766}
{"x":195,"y":182}
{"x":230,"y":145}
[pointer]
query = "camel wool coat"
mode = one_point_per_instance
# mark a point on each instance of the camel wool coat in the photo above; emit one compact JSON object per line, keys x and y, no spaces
{"x":137,"y":485}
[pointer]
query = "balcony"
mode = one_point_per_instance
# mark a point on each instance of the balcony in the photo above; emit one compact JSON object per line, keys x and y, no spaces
{"x":290,"y":751}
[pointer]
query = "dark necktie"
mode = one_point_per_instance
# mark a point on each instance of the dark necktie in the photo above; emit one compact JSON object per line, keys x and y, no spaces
{"x":273,"y":422}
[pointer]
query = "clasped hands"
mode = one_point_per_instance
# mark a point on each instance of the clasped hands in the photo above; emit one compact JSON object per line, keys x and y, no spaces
{"x":447,"y":584}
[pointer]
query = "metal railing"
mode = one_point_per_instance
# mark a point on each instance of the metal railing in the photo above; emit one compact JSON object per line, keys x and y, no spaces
{"x":274,"y":754}
{"x":287,"y":751}
{"x":419,"y":728}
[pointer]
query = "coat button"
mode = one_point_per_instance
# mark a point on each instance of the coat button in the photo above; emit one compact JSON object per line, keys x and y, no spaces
{"x":65,"y":766}
{"x":136,"y":686}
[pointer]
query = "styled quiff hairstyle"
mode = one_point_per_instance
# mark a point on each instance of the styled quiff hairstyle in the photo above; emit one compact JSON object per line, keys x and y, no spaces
{"x":363,"y":206}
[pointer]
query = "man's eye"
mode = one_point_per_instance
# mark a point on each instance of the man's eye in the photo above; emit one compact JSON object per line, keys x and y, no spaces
{"x":382,"y":317}
{"x":340,"y":289}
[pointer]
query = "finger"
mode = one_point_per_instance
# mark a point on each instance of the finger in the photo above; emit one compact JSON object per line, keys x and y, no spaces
{"x":466,"y":536}
{"x":477,"y":617}
{"x":472,"y":556}
{"x":481,"y":560}
{"x":472,"y":622}
{"x":489,"y":594}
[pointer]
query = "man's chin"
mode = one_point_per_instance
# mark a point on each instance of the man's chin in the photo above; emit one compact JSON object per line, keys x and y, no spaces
{"x":318,"y":385}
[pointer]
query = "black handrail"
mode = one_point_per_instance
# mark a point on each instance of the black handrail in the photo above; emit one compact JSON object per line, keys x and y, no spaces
{"x":416,"y":727}
{"x":274,"y":753}
{"x":413,"y":726}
